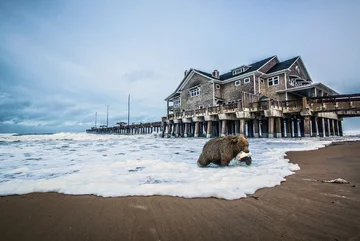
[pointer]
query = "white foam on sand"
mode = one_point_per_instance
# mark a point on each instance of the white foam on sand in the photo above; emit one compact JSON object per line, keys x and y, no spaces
{"x":111,"y":165}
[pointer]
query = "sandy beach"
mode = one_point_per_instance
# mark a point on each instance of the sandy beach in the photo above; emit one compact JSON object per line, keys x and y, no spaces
{"x":302,"y":208}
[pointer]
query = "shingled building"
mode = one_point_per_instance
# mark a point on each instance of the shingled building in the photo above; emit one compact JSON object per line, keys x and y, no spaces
{"x":253,"y":99}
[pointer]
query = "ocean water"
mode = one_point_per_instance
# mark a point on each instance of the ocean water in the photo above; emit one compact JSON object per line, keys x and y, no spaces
{"x":142,"y":165}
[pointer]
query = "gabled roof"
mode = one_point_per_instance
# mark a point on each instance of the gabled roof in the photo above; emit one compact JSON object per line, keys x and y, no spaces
{"x":204,"y":73}
{"x":185,"y":79}
{"x":310,"y":86}
{"x":253,"y":67}
{"x":282,"y":65}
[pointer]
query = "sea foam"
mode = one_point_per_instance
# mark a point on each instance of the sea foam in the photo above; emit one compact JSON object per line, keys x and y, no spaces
{"x":112,"y":165}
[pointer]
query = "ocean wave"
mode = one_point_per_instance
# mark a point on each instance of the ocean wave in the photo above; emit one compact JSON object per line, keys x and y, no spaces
{"x":110,"y":165}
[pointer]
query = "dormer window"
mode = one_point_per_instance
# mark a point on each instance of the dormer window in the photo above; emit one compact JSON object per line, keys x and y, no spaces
{"x":195,"y":91}
{"x":237,"y":71}
{"x":240,"y":70}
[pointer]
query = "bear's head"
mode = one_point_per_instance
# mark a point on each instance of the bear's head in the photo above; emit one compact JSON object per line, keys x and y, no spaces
{"x":242,"y":149}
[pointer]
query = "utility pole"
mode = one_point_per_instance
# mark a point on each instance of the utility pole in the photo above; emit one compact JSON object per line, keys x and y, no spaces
{"x":129,"y":113}
{"x":107,"y":116}
{"x":95,"y":118}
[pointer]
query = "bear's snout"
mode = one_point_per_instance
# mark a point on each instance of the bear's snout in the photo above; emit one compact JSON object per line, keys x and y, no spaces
{"x":244,"y":156}
{"x":247,"y":160}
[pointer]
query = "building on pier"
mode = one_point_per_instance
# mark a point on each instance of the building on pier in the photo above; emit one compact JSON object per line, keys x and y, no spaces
{"x":267,"y":98}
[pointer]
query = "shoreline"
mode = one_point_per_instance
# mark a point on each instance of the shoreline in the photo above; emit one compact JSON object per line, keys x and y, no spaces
{"x":301,"y":208}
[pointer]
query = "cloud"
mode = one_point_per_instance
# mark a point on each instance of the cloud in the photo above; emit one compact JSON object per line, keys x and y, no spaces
{"x":60,"y":62}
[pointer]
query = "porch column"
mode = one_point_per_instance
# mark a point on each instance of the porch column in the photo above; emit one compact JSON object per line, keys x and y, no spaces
{"x":209,"y":129}
{"x":242,"y":127}
{"x":271,"y":127}
{"x":186,"y":130}
{"x":333,"y":127}
{"x":250,"y":125}
{"x":223,"y":128}
{"x":296,"y":129}
{"x":307,"y":126}
{"x":336,"y":126}
{"x":200,"y":129}
{"x":288,"y":127}
{"x":177,"y":125}
{"x":256,"y":128}
{"x":216,"y":130}
{"x":314,"y":126}
{"x":182,"y":129}
{"x":327,"y":127}
{"x":196,"y":132}
{"x":237,"y":125}
{"x":169,"y":130}
{"x":321,"y":126}
{"x":340,"y":128}
{"x":172,"y":129}
{"x":264,"y":126}
{"x":278,"y":127}
{"x":220,"y":127}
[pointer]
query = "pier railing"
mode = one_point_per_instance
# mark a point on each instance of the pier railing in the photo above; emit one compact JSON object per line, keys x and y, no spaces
{"x":315,"y":104}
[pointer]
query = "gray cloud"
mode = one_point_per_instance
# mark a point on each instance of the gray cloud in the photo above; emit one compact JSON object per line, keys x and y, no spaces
{"x":62,"y":62}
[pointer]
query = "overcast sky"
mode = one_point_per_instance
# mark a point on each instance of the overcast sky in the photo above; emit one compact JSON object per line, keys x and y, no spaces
{"x":62,"y":61}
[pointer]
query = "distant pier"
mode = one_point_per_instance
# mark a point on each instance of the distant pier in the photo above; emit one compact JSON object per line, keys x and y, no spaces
{"x":134,"y":129}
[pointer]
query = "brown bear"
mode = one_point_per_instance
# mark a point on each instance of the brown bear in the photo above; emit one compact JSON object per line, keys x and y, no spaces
{"x":221,"y":150}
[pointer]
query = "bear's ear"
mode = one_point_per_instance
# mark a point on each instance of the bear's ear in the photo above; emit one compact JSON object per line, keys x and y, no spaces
{"x":234,"y":139}
{"x":242,"y":141}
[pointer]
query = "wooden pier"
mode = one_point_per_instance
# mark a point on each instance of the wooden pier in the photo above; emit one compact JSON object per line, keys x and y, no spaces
{"x":315,"y":116}
{"x":305,"y":117}
{"x":134,"y":129}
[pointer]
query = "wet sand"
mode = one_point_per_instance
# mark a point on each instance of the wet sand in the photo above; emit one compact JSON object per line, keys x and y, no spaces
{"x":302,"y":208}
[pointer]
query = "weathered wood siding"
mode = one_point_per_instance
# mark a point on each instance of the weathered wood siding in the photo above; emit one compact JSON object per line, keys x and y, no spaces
{"x":205,"y":98}
{"x":231,"y":92}
{"x":270,"y":91}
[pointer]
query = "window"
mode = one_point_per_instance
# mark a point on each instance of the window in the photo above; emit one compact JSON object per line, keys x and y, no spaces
{"x":237,"y":71}
{"x":237,"y":83}
{"x":176,"y":102}
{"x":273,"y":81}
{"x":195,"y":92}
{"x":246,"y":80}
{"x":262,"y":80}
{"x":240,"y":70}
{"x":217,"y":86}
{"x":201,"y":107}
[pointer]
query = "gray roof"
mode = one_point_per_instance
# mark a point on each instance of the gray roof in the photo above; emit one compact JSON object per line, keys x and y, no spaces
{"x":282,"y":65}
{"x":253,"y":67}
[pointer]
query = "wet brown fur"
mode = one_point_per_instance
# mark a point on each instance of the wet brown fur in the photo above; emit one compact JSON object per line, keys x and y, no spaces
{"x":222,"y":150}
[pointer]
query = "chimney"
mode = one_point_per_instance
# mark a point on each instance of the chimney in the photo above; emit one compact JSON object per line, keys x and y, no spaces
{"x":215,"y":74}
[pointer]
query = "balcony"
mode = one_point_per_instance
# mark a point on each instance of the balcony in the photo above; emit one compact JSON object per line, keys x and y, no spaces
{"x":214,"y":110}
{"x":200,"y":112}
{"x":230,"y":108}
{"x":290,"y":106}
{"x":178,"y":115}
{"x":189,"y":113}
